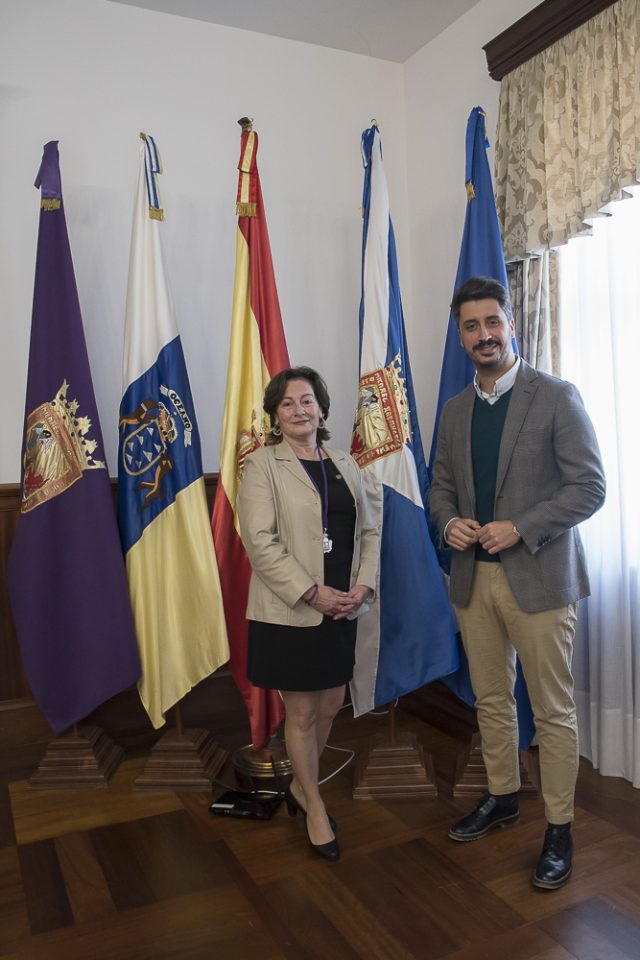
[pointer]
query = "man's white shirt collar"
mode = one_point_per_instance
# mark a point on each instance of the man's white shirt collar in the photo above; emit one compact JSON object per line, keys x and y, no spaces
{"x":504,"y":383}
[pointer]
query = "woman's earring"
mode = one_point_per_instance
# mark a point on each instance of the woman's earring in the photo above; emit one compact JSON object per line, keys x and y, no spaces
{"x":275,"y":430}
{"x":321,"y":421}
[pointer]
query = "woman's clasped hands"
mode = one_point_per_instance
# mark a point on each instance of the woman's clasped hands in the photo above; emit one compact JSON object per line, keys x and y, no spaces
{"x":336,"y":603}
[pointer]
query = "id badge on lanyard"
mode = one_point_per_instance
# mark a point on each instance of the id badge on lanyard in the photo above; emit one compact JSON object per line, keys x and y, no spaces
{"x":327,"y":543}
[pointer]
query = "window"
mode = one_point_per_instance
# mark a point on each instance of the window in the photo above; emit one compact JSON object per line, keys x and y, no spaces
{"x":599,"y":319}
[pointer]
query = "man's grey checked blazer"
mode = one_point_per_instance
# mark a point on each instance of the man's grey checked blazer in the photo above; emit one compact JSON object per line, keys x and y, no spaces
{"x":549,"y":479}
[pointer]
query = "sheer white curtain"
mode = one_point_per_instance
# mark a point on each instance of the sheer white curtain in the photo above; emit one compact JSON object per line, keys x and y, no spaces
{"x":599,"y":304}
{"x":533,"y":285}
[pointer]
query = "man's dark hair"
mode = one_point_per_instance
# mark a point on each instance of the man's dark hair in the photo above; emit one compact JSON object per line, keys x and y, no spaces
{"x":481,"y":288}
{"x":276,"y":389}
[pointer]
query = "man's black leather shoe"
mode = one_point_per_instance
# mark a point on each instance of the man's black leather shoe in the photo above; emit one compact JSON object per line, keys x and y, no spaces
{"x":554,"y":866}
{"x":491,"y":812}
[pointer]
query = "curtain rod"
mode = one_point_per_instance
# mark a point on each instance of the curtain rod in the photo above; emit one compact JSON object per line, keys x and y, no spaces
{"x":537,"y":30}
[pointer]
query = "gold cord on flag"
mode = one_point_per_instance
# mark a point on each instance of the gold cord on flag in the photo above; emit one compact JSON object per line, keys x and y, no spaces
{"x":471,"y":193}
{"x":247,"y":181}
{"x":153,"y":169}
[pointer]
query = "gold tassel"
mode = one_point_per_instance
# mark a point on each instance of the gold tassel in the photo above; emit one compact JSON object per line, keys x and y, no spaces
{"x":471,"y":194}
{"x":156,"y":213}
{"x":50,"y":203}
{"x":245,"y":209}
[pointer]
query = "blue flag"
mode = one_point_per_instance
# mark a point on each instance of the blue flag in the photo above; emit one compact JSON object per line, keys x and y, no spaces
{"x":407,"y":638}
{"x":481,"y":255}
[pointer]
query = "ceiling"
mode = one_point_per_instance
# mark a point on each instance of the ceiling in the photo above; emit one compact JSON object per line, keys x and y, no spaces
{"x":386,"y":29}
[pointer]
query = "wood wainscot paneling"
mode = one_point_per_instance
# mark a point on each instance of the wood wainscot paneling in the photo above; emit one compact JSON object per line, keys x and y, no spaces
{"x":24,"y":732}
{"x":13,"y":683}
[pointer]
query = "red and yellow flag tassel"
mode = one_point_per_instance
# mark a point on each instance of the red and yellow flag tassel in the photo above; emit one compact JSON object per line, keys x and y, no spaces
{"x":246,"y":203}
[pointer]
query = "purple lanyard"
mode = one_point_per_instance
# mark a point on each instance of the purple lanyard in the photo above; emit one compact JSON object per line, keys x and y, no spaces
{"x":325,"y":492}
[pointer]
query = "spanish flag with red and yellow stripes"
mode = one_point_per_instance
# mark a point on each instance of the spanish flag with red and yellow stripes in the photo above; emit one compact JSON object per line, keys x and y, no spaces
{"x":257,"y":352}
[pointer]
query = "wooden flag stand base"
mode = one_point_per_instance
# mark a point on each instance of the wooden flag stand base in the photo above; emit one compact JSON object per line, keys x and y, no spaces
{"x":394,"y":766}
{"x":182,"y":760}
{"x":83,"y":757}
{"x":470,"y":778}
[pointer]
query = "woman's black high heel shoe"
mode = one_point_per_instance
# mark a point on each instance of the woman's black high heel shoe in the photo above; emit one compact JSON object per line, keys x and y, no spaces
{"x":330,"y":851}
{"x":293,"y":806}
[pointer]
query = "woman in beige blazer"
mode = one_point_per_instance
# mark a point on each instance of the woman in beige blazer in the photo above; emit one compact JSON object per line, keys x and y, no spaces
{"x":305,"y":526}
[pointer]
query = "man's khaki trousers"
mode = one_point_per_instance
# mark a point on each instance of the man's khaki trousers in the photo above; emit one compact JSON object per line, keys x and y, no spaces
{"x":494,"y":629}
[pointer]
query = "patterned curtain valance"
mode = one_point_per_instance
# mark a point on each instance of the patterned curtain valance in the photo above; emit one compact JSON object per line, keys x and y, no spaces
{"x":568,"y":138}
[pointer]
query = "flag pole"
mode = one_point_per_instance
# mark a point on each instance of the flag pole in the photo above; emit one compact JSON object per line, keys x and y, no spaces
{"x":179,"y":725}
{"x":481,"y":255}
{"x":271,"y":759}
{"x":407,"y":638}
{"x":392,"y":723}
{"x":78,"y":648}
{"x":173,"y":577}
{"x":257,"y":352}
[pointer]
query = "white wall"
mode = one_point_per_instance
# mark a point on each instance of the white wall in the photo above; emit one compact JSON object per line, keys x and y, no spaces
{"x":93,"y":74}
{"x":443,"y":82}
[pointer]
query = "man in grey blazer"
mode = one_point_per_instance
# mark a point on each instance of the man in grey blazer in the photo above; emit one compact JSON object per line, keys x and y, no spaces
{"x":517,"y":468}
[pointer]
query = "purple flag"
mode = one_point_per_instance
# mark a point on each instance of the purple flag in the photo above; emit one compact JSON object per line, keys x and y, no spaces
{"x":67,"y":581}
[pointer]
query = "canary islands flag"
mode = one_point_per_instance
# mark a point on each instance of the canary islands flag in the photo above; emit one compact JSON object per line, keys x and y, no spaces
{"x":66,"y":575}
{"x":407,"y":638}
{"x":164,"y":522}
{"x":481,"y":255}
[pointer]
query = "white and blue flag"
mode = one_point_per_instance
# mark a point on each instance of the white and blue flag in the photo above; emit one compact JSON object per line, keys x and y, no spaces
{"x":407,"y":637}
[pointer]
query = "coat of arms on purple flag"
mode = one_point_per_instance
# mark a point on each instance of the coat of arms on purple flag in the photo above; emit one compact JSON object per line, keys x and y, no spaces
{"x":67,"y":581}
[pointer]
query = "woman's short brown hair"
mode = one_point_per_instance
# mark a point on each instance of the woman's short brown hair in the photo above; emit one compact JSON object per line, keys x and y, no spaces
{"x":276,"y":389}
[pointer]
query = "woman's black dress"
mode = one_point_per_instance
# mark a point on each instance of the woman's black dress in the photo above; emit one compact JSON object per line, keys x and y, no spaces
{"x":313,"y":658}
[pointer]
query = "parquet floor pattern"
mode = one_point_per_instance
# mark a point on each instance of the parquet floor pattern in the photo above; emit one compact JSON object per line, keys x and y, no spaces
{"x":114,"y":874}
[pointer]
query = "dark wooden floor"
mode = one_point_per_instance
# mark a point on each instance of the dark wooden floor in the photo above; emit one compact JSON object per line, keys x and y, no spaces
{"x":114,"y":874}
